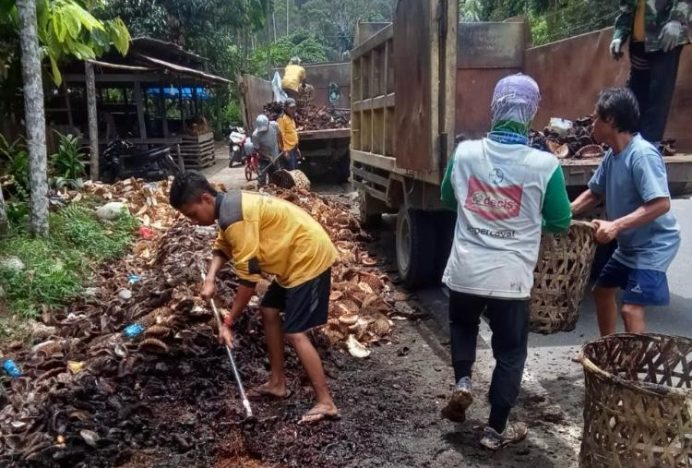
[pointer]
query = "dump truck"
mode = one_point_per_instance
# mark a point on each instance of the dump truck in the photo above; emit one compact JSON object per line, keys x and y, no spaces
{"x":326,"y":151}
{"x":421,"y":81}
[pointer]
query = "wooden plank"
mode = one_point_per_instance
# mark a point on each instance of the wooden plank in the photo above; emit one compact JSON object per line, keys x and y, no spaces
{"x":413,"y":67}
{"x":375,"y":160}
{"x":378,"y":102}
{"x":367,"y":175}
{"x":330,"y":133}
{"x":375,"y":40}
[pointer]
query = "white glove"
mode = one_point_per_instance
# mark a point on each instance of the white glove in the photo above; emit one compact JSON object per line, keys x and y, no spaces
{"x":616,"y":49}
{"x":670,"y":35}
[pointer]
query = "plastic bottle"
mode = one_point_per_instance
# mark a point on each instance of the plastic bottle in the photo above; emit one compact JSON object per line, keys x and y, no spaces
{"x":132,"y":331}
{"x":11,"y":368}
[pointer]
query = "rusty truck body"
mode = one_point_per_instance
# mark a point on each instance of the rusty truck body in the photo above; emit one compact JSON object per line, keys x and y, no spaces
{"x":325,"y":151}
{"x":425,"y":78}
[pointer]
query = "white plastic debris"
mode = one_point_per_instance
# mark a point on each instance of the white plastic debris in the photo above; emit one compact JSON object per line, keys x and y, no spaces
{"x":13,"y":264}
{"x":111,"y":211}
{"x":356,"y":348}
{"x":125,"y":294}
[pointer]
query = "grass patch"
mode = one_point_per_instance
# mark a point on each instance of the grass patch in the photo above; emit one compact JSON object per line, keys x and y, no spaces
{"x":58,"y":267}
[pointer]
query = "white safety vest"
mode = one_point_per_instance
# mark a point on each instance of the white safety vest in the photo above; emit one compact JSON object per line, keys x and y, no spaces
{"x":500,"y":191}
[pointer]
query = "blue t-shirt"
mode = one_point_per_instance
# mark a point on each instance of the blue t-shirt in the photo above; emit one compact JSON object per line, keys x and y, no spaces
{"x":627,"y":181}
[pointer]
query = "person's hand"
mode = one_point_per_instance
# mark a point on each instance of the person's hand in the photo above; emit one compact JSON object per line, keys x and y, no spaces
{"x":208,"y":288}
{"x":606,"y":231}
{"x":225,"y":336}
{"x":285,"y":155}
{"x":670,"y":35}
{"x":616,"y":49}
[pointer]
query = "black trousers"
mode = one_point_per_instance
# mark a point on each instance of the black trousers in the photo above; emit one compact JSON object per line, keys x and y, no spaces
{"x":509,"y":322}
{"x":652,"y":80}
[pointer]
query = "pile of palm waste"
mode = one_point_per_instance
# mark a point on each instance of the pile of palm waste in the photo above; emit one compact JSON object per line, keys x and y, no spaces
{"x":311,"y":117}
{"x":576,"y":142}
{"x":92,"y":395}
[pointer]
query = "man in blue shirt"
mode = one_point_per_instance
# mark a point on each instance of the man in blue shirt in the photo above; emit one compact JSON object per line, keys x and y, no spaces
{"x":632,"y":181}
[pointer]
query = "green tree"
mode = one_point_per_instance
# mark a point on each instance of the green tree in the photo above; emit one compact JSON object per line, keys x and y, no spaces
{"x":55,"y":29}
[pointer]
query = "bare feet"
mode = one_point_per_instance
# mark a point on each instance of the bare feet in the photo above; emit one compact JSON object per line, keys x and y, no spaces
{"x":270,"y":390}
{"x":321,"y":411}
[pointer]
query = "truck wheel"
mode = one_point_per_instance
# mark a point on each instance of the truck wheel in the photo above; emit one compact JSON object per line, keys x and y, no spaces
{"x":415,"y":248}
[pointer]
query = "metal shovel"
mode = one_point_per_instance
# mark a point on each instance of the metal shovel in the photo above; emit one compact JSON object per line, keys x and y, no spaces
{"x":236,"y":374}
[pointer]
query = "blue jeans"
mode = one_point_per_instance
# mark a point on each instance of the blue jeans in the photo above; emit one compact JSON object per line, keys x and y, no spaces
{"x":292,"y":159}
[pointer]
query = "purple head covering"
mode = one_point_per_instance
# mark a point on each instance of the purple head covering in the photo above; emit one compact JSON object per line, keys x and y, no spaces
{"x":515,"y":99}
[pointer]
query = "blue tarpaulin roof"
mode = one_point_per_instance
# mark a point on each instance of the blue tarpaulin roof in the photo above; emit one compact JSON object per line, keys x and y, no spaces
{"x":173,"y":92}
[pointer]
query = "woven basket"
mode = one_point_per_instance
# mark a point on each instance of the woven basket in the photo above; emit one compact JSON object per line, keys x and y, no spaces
{"x":289,"y":179}
{"x":560,"y":277}
{"x":638,"y":405}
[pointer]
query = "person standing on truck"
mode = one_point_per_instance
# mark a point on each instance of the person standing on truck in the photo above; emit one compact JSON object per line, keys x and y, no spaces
{"x":632,"y":180}
{"x":505,"y":193}
{"x":289,"y":135}
{"x":267,"y":140}
{"x":294,"y":77}
{"x":656,"y":31}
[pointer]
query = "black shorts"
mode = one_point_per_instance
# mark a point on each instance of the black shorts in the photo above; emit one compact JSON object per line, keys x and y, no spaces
{"x":305,"y":306}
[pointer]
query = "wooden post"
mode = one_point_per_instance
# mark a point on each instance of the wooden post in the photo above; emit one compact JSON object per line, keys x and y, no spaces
{"x":140,"y":111}
{"x":93,"y":120}
{"x":68,"y":106}
{"x":164,"y":112}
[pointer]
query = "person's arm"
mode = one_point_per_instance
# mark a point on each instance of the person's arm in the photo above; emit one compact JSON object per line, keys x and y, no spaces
{"x":650,"y":211}
{"x":650,"y":180}
{"x":585,"y":202}
{"x":447,"y":196}
{"x":557,"y":213}
{"x":623,"y":23}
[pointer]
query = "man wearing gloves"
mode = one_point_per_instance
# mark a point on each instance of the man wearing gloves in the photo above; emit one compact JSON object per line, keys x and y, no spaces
{"x":504,"y":193}
{"x":656,"y":31}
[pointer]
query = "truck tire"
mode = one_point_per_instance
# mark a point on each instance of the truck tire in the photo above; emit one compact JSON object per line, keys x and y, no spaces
{"x":415,"y":248}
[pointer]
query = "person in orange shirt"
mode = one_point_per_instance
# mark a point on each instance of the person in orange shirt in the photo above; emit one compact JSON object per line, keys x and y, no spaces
{"x":289,"y":135}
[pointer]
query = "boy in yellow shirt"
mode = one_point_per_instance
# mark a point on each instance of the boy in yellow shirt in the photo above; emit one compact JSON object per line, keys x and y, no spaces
{"x":289,"y":135}
{"x":259,"y":233}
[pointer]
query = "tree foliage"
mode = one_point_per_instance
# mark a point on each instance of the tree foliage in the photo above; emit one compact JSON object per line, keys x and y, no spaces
{"x":65,"y":29}
{"x":277,"y":54}
{"x":550,"y":20}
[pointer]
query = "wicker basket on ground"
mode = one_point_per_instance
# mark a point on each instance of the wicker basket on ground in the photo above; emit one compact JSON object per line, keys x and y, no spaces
{"x":560,"y":278}
{"x":289,"y":179}
{"x":638,"y":404}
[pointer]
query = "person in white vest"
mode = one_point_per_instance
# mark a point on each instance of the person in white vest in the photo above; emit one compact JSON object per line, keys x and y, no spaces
{"x":505,"y":194}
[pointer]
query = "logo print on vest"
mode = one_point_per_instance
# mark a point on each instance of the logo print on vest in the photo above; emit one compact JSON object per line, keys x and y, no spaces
{"x":493,"y":203}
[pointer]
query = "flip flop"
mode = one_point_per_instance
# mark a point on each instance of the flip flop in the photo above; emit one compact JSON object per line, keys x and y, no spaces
{"x":314,"y":416}
{"x":259,"y":393}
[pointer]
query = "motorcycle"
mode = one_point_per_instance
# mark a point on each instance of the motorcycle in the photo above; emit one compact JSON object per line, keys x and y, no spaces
{"x":239,"y":146}
{"x":121,"y":160}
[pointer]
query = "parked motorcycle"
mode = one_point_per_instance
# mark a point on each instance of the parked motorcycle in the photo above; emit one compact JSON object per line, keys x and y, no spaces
{"x":239,"y":146}
{"x":121,"y":159}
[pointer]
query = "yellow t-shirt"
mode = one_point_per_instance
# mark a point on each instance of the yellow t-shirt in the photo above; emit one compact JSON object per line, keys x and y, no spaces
{"x":639,"y":26}
{"x":289,"y":134}
{"x":261,"y":233}
{"x":294,"y":75}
